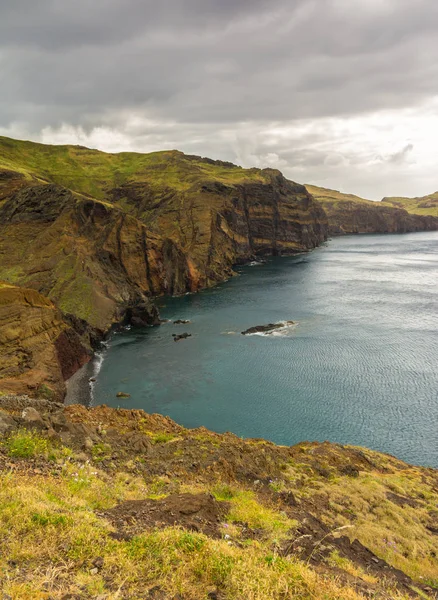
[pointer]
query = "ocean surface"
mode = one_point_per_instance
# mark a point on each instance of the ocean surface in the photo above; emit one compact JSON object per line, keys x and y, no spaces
{"x":359,"y":367}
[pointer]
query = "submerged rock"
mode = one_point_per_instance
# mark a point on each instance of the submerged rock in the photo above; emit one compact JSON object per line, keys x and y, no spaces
{"x":269,"y":328}
{"x":122,"y":395}
{"x":182,"y":336}
{"x":181,"y":322}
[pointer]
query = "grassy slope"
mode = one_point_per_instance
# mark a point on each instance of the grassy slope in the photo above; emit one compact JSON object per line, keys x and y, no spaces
{"x":335,"y":197}
{"x":93,"y":172}
{"x":425,"y":205}
{"x":52,"y":528}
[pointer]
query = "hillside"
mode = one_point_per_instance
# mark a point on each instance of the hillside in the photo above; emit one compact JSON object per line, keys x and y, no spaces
{"x":141,"y":224}
{"x":100,"y":235}
{"x":117,"y":504}
{"x":425,"y":205}
{"x":348,"y":213}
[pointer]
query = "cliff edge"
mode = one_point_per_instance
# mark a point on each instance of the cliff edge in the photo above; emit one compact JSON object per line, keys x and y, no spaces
{"x":348,"y":214}
{"x":119,"y":504}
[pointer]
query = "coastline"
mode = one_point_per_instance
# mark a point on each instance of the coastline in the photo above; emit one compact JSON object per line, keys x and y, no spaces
{"x":81,"y":384}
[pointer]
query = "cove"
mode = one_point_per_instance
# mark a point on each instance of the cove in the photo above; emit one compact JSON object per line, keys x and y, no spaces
{"x":360,"y":366}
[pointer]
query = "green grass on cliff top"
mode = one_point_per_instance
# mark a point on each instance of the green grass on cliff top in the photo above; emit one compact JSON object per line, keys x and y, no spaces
{"x":93,"y":172}
{"x":426,"y":205}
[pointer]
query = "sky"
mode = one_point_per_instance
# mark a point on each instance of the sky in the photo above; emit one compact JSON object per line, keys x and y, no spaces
{"x":337,"y":93}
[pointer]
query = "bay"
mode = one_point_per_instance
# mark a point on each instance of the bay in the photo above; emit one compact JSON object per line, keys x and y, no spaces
{"x":360,"y":366}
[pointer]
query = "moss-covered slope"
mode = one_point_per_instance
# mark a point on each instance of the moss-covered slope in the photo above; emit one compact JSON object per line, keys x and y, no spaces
{"x":96,"y":232}
{"x":119,"y":504}
{"x":424,"y":205}
{"x":348,"y":213}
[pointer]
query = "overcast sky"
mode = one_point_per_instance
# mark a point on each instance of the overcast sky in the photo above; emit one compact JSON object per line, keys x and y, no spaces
{"x":339,"y":93}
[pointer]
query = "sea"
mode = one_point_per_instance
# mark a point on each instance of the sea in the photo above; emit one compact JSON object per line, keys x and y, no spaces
{"x":359,"y":364}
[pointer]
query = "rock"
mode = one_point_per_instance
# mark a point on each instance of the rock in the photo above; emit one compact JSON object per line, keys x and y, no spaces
{"x":53,"y":435}
{"x":59,"y":422}
{"x":7,"y":423}
{"x":77,"y":433}
{"x":181,"y":322}
{"x":143,"y":314}
{"x":88,"y":444}
{"x":122,"y":395}
{"x":32,"y":418}
{"x":138,"y":442}
{"x":94,"y":571}
{"x":92,"y":379}
{"x":98,"y":562}
{"x":182,"y":336}
{"x":349,"y":470}
{"x":267,"y":328}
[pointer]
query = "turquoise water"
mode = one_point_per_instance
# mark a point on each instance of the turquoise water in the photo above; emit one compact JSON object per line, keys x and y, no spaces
{"x":360,"y":367}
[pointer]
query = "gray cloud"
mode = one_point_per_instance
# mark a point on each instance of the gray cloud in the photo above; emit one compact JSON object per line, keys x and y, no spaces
{"x":401,"y":155}
{"x":193,"y":71}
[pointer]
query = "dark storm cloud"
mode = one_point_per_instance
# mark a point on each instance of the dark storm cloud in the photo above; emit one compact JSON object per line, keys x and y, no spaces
{"x":211,"y":60}
{"x":186,"y":71}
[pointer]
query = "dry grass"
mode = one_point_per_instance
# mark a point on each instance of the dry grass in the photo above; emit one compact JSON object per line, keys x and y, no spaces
{"x":50,"y":536}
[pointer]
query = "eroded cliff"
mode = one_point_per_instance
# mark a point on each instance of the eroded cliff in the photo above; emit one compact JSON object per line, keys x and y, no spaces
{"x":38,"y":348}
{"x":172,"y":224}
{"x":101,"y":234}
{"x":348,"y":213}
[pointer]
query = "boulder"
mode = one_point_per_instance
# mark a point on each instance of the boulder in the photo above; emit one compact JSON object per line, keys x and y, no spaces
{"x":182,"y":336}
{"x":7,"y":423}
{"x":267,"y":328}
{"x":32,"y":418}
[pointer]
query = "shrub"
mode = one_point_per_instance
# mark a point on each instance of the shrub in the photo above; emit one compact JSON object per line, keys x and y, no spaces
{"x":26,"y":444}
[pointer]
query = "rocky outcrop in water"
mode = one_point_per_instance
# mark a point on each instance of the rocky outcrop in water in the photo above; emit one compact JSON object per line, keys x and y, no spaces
{"x":269,"y":328}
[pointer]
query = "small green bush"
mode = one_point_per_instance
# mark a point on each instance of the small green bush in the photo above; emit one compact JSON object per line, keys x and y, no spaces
{"x":27,"y":444}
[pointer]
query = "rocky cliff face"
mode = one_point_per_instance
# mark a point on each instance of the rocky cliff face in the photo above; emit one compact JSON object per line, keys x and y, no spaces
{"x":350,"y":214}
{"x":172,"y":224}
{"x":99,"y":259}
{"x":101,"y":234}
{"x":38,"y":349}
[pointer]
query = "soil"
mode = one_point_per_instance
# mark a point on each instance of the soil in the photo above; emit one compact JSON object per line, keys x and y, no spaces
{"x":195,"y":512}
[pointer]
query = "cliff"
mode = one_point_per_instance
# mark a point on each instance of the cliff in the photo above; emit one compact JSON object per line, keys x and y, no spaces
{"x":119,"y":504}
{"x":423,"y":205}
{"x":100,"y":233}
{"x":348,"y":213}
{"x":39,"y":350}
